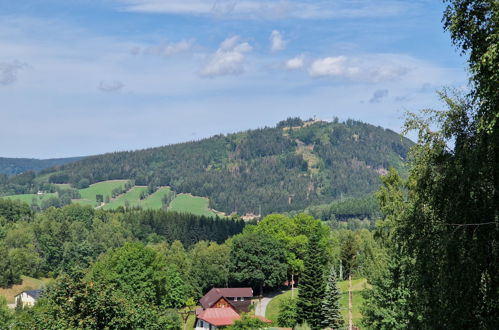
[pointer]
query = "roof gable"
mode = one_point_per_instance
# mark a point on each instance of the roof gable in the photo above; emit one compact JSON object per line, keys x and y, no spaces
{"x":215,"y":294}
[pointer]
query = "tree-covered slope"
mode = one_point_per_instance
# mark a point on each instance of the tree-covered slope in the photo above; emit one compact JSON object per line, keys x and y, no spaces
{"x":282,"y":168}
{"x":12,"y":166}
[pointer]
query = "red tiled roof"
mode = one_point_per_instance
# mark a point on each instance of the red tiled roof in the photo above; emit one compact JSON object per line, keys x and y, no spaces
{"x":219,"y":316}
{"x":216,"y":293}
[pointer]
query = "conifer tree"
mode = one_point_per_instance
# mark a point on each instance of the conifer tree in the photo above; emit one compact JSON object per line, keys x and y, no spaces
{"x":312,"y":285}
{"x":331,"y":314}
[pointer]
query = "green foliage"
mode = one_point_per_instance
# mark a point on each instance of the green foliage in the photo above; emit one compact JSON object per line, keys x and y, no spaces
{"x":288,"y":313}
{"x":386,"y":305}
{"x":75,"y":303}
{"x":258,"y":260}
{"x":138,"y":271}
{"x":9,"y":271}
{"x":312,"y":284}
{"x":348,"y":208}
{"x":247,"y":322}
{"x":210,"y":265}
{"x":5,"y":314}
{"x":59,"y":240}
{"x":331,"y":310}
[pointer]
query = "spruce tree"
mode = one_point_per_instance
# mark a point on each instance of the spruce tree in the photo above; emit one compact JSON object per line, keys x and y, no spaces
{"x":331,"y":314}
{"x":312,"y":284}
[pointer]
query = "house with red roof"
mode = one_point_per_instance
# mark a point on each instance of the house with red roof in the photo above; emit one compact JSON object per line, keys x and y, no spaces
{"x":222,"y":307}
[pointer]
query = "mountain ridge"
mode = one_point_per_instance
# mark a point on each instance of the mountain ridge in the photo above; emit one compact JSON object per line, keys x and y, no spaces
{"x":273,"y":169}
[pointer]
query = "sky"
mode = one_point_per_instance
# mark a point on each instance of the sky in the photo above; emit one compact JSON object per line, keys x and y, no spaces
{"x":85,"y":77}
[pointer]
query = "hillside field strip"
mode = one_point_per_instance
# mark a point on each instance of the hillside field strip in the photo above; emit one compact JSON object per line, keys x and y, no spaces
{"x":181,"y":203}
{"x":192,"y":204}
{"x":153,"y":202}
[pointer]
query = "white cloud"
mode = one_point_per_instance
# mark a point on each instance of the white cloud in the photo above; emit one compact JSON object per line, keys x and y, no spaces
{"x":373,"y":68}
{"x":9,"y":71}
{"x":166,"y":49}
{"x":277,"y":42}
{"x":228,"y":59}
{"x":295,"y":63}
{"x":378,"y":96}
{"x":110,"y":87}
{"x":306,"y":9}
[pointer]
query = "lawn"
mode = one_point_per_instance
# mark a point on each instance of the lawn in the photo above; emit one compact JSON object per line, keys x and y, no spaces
{"x":153,"y":201}
{"x":191,"y":204}
{"x":28,"y":283}
{"x":132,"y":197}
{"x":357,"y":286}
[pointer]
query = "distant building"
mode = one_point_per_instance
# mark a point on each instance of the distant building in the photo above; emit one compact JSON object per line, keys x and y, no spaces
{"x":238,"y":299}
{"x":27,"y":298}
{"x":222,"y":307}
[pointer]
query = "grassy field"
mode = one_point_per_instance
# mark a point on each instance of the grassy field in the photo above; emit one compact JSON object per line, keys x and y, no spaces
{"x":28,"y":283}
{"x":154,"y":201}
{"x":191,"y":204}
{"x":357,"y":286}
{"x":27,"y":198}
{"x":103,"y":188}
{"x":132,"y":197}
{"x":182,"y":202}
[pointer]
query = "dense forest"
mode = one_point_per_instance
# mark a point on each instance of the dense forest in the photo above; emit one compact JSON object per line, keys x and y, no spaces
{"x":140,"y":269}
{"x":12,"y":166}
{"x":54,"y":241}
{"x":274,"y":169}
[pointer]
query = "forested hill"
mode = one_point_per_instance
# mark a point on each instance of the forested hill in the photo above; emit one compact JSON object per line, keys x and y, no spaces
{"x":12,"y":166}
{"x":288,"y":167}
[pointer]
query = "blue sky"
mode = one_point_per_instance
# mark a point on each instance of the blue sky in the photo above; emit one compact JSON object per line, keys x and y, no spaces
{"x":84,"y":77}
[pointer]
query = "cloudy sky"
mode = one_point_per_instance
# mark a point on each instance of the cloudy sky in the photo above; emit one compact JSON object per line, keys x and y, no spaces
{"x":83,"y":77}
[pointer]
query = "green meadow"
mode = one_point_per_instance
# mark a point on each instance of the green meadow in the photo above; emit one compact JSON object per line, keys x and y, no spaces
{"x":182,"y":202}
{"x":153,"y":202}
{"x":191,"y":204}
{"x":131,"y":198}
{"x":28,"y":198}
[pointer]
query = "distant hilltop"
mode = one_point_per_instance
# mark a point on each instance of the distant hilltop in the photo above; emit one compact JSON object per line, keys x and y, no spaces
{"x":288,"y":167}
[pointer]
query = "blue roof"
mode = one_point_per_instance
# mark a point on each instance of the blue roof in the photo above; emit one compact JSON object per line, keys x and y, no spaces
{"x":34,"y":293}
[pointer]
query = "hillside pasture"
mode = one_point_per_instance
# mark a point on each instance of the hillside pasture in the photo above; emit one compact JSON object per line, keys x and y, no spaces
{"x":28,"y":198}
{"x":101,"y":188}
{"x":191,"y":204}
{"x":154,"y":201}
{"x":131,"y":197}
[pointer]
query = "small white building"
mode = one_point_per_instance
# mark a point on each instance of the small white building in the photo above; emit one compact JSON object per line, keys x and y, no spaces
{"x":27,"y":298}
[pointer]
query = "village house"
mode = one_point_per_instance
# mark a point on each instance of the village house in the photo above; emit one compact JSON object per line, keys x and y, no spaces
{"x":27,"y":298}
{"x":222,"y":307}
{"x":239,"y":299}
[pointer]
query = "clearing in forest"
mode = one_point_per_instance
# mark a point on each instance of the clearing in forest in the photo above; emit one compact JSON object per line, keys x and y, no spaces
{"x":131,"y":198}
{"x":191,"y":204}
{"x":154,"y":201}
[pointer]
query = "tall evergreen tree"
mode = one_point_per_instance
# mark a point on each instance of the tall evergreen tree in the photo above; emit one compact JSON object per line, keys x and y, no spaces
{"x":331,"y":311}
{"x":312,"y":284}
